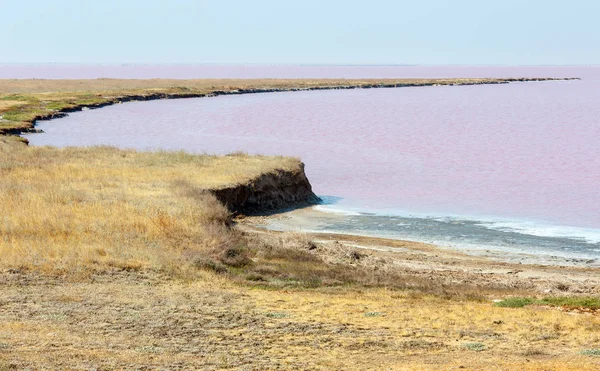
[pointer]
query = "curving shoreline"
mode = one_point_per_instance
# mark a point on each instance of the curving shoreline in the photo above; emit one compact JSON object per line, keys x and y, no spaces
{"x":102,"y":242}
{"x":270,"y":191}
{"x":108,"y":98}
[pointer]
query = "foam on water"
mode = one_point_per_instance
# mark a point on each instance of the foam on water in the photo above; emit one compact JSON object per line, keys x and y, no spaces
{"x":502,"y":224}
{"x":330,"y":209}
{"x":540,"y":229}
{"x":516,"y":240}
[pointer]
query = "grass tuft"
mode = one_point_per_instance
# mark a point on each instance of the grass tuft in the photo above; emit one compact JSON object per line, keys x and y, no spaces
{"x":514,"y":302}
{"x":591,"y":352}
{"x":477,"y":347}
{"x":374,"y":314}
{"x":276,"y":315}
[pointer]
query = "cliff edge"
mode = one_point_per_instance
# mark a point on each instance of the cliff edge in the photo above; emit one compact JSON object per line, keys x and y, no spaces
{"x":272,"y":191}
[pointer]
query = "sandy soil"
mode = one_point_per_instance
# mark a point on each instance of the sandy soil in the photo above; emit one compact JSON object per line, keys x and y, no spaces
{"x":443,"y":265}
{"x":143,"y":321}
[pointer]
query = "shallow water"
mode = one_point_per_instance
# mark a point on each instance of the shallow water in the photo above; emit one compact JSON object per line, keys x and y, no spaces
{"x":519,"y":157}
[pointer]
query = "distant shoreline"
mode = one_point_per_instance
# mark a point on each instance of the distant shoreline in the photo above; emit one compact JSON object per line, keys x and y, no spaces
{"x":46,"y":100}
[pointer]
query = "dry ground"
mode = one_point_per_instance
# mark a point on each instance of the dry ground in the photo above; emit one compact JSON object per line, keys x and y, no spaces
{"x":136,"y":320}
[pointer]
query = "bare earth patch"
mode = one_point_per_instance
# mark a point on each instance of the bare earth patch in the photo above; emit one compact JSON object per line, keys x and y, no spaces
{"x":125,"y":320}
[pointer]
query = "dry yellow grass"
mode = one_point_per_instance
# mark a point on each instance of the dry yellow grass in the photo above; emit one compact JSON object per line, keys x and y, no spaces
{"x":5,"y":104}
{"x":407,"y":331}
{"x":132,"y":320}
{"x":80,"y":209}
{"x":96,"y":86}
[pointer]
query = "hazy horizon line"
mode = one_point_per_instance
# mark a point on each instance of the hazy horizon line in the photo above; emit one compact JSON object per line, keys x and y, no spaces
{"x":125,"y":64}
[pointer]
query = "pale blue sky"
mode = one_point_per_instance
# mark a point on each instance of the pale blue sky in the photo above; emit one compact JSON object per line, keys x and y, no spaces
{"x":501,"y":32}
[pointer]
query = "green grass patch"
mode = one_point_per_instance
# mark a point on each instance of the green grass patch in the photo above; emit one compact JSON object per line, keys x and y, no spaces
{"x":24,"y":114}
{"x":564,"y":301}
{"x":477,"y":347}
{"x":90,"y":101}
{"x":514,"y":302}
{"x":591,"y":352}
{"x":17,"y":97}
{"x":6,"y":127}
{"x":572,"y":302}
{"x":57,"y":106}
{"x":10,"y":125}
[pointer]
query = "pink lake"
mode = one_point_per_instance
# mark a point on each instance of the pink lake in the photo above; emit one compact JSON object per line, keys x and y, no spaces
{"x":522,"y":154}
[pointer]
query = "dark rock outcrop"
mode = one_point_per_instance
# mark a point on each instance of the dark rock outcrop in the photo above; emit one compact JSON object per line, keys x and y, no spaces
{"x":269,"y":192}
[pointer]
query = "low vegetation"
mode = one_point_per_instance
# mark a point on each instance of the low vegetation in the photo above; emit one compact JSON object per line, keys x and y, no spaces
{"x":82,"y":210}
{"x":572,"y":302}
{"x":591,"y":352}
{"x":477,"y":347}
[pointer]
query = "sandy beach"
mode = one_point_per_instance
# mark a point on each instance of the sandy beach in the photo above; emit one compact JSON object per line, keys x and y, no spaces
{"x":441,"y":265}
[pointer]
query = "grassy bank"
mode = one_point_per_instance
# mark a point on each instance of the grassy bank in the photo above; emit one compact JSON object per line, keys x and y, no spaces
{"x":117,"y":259}
{"x":82,"y":210}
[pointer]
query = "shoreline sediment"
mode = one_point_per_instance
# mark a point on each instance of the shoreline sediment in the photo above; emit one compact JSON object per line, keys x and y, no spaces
{"x":446,"y":266}
{"x":528,"y":250}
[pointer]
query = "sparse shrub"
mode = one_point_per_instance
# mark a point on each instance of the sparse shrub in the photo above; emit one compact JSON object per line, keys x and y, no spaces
{"x":374,"y":314}
{"x":546,"y":336}
{"x":355,"y":255}
{"x":477,"y":347}
{"x":290,"y":254}
{"x":569,"y":302}
{"x":149,"y":349}
{"x":235,"y":257}
{"x":255,"y":277}
{"x":573,"y":302}
{"x":422,"y":344}
{"x":534,"y":352}
{"x":514,"y":302}
{"x":238,"y":154}
{"x":276,"y":315}
{"x":207,"y":263}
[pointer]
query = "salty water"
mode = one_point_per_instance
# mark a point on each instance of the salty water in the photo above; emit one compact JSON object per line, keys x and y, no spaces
{"x":511,"y":167}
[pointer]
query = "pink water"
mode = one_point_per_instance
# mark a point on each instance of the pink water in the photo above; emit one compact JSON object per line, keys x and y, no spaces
{"x":525,"y":152}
